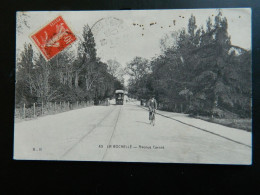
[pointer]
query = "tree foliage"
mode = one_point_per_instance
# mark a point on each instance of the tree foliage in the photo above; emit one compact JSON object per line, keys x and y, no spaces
{"x":202,"y":71}
{"x":138,"y":70}
{"x":65,"y":77}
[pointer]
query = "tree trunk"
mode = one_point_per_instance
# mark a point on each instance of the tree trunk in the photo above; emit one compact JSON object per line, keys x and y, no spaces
{"x":76,"y":79}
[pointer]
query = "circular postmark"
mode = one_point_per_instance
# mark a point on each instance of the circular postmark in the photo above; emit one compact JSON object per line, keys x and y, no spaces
{"x":108,"y":32}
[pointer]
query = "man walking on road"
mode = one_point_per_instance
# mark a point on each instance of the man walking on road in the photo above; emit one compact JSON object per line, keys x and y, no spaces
{"x":152,"y":105}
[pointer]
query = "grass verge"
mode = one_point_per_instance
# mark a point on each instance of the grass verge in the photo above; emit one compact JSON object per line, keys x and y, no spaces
{"x":244,"y":124}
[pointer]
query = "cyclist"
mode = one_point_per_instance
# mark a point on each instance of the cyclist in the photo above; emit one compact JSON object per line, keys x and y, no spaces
{"x":152,"y":105}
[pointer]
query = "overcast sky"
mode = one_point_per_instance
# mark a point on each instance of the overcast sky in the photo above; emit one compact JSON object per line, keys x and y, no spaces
{"x":117,"y":38}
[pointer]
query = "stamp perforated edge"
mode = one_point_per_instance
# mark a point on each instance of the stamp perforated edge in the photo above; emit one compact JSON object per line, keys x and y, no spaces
{"x":47,"y":23}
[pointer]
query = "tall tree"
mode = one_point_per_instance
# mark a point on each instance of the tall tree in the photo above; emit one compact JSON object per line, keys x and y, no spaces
{"x":137,"y":68}
{"x":24,"y":70}
{"x":202,"y":69}
{"x":192,"y":26}
{"x":86,"y":57}
{"x":115,"y":69}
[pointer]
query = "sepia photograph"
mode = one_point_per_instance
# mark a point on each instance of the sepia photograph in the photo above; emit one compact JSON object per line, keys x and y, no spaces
{"x":150,"y":86}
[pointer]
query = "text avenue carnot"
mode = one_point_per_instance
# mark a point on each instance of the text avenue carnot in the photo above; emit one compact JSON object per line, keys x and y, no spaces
{"x":117,"y":146}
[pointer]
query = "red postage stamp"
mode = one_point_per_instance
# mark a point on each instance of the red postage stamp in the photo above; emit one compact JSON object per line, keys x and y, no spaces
{"x":53,"y":38}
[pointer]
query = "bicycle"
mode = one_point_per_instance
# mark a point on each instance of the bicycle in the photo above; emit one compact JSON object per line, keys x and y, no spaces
{"x":152,"y":119}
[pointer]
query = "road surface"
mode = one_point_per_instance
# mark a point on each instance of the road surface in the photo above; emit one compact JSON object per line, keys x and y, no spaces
{"x":123,"y":133}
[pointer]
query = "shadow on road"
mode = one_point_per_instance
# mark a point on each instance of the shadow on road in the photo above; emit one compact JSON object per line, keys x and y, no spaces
{"x":143,"y":122}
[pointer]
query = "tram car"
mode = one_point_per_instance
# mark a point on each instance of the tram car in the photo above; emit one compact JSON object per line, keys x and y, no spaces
{"x":119,"y":97}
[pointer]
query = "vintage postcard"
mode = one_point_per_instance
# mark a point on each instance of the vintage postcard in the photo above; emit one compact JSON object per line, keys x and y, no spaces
{"x":161,"y":86}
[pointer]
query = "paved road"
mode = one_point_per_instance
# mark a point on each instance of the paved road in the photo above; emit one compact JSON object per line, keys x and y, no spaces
{"x":123,"y":133}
